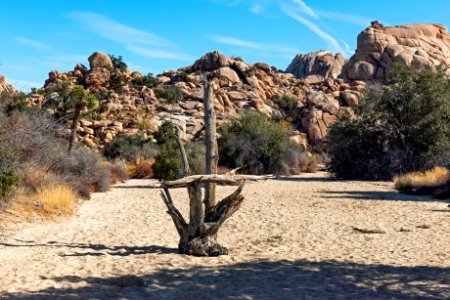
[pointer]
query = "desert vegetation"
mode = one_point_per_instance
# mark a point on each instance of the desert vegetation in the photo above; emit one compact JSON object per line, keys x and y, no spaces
{"x":400,"y":128}
{"x":37,"y":172}
{"x":260,"y":146}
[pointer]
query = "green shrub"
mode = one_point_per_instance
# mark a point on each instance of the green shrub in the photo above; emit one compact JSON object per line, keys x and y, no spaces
{"x":252,"y":143}
{"x":287,"y":103}
{"x":250,"y":71}
{"x":167,"y":162}
{"x":402,"y":128}
{"x":166,"y":132}
{"x":13,"y":101}
{"x":8,"y":176}
{"x":147,"y":80}
{"x":118,"y":63}
{"x":117,"y":81}
{"x":170,"y":94}
{"x":130,"y":147}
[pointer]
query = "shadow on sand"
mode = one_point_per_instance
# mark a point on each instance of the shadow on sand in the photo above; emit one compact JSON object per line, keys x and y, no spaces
{"x":282,"y":279}
{"x":377,"y":195}
{"x":99,"y":249}
{"x":305,"y":179}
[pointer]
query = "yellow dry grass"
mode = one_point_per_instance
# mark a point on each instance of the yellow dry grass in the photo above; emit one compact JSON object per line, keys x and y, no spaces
{"x":56,"y":199}
{"x":416,"y":180}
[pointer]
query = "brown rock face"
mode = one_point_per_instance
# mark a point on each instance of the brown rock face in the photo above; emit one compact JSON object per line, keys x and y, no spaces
{"x":422,"y":46}
{"x":322,"y":63}
{"x":210,"y":62}
{"x":5,"y":86}
{"x":100,"y":60}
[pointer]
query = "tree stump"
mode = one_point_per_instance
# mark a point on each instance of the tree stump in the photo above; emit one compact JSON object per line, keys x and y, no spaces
{"x":199,"y":236}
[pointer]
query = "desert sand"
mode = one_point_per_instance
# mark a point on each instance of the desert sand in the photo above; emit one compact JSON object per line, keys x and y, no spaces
{"x":293,"y":238}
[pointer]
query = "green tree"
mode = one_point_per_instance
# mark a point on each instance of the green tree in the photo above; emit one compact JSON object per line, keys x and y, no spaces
{"x":166,"y":132}
{"x":78,"y":99}
{"x":401,"y":128}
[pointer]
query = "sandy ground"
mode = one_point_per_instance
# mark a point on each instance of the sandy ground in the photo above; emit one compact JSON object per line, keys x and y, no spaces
{"x":293,"y":238}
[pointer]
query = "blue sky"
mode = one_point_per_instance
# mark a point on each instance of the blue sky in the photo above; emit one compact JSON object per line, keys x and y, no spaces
{"x":43,"y":35}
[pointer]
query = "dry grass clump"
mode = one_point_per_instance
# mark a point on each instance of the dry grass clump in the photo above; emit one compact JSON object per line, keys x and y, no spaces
{"x":141,"y":169}
{"x":56,"y":199}
{"x":422,"y":182}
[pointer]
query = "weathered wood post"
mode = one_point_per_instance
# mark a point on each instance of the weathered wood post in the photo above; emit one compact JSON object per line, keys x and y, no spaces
{"x":212,"y":154}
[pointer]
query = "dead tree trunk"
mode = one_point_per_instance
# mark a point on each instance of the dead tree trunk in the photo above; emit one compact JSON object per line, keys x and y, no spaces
{"x":199,"y":236}
{"x":212,"y":155}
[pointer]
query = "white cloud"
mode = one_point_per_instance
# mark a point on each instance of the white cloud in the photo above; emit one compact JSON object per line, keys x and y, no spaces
{"x":118,"y":32}
{"x":236,"y":42}
{"x":138,"y":41}
{"x":305,"y":8}
{"x":256,"y":9}
{"x":344,"y":18}
{"x":328,"y":38}
{"x":32,"y":43}
{"x":158,"y":53}
{"x":262,"y":48}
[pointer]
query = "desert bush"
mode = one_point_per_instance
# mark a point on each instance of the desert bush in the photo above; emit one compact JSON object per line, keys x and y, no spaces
{"x":195,"y":153}
{"x":253,"y":143}
{"x":32,"y":137}
{"x":171,"y":94}
{"x":294,"y":160}
{"x":250,"y":71}
{"x":117,"y":81}
{"x":13,"y":102}
{"x":147,"y":80}
{"x":83,"y":168}
{"x":167,"y":162}
{"x":8,"y":176}
{"x":166,"y":133}
{"x":422,"y":182}
{"x":118,"y":63}
{"x":56,"y":199}
{"x":130,"y":148}
{"x":396,"y":130}
{"x":142,"y":169}
{"x":287,"y":103}
{"x":118,"y":171}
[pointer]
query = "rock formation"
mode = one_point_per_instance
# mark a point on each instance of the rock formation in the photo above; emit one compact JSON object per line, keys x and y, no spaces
{"x":129,"y":107}
{"x":5,"y":86}
{"x":322,"y":63}
{"x":422,"y":46}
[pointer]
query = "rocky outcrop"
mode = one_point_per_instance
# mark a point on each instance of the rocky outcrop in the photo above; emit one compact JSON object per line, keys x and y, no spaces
{"x":5,"y":86}
{"x":130,"y":107}
{"x":322,"y":63}
{"x":421,"y":46}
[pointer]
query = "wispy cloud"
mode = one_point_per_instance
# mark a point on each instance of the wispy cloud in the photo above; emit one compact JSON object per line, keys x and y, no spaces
{"x":23,"y":85}
{"x":115,"y":31}
{"x":300,"y":5}
{"x":256,"y":9}
{"x":32,"y":43}
{"x":262,"y":48}
{"x":159,"y":53}
{"x":328,"y":38}
{"x":134,"y":40}
{"x":344,"y":18}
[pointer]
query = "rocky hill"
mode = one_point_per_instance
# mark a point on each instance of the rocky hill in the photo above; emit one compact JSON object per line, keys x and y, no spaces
{"x":317,"y":89}
{"x":322,"y":63}
{"x":127,"y":106}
